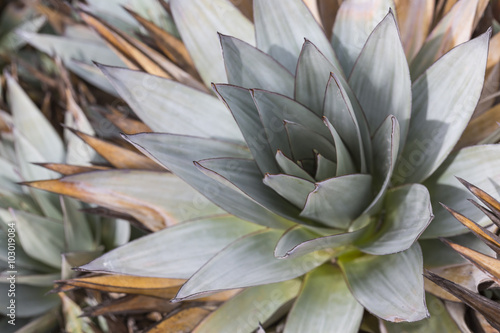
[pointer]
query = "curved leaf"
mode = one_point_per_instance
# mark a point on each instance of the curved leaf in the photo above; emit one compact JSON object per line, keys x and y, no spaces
{"x":292,"y":188}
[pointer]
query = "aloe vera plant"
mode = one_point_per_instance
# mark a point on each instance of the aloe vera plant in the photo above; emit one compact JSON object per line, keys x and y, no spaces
{"x":327,"y":168}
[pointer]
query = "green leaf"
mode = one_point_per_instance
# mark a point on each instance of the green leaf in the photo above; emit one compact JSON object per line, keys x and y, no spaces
{"x":77,"y":233}
{"x":304,"y":143}
{"x":291,"y":168}
{"x":324,"y":302}
{"x":249,"y":67}
{"x":199,"y":22}
{"x":280,"y":31}
{"x":385,"y":144}
{"x":381,"y":78}
{"x":241,"y":104}
{"x":339,"y":110}
{"x":439,"y":321}
{"x":479,"y":166}
{"x":247,"y":262}
{"x":30,"y":121}
{"x":391,"y":286}
{"x":407,"y":213}
{"x":334,"y":202}
{"x":292,"y":188}
{"x":325,"y":168}
{"x":300,"y":240}
{"x":178,"y":153}
{"x":345,"y":164}
{"x":453,"y":29}
{"x":190,"y":112}
{"x":40,"y":237}
{"x":30,"y":301}
{"x":176,"y":252}
{"x":313,"y":74}
{"x":439,"y":113}
{"x":10,"y":42}
{"x":249,"y":308}
{"x":354,"y":22}
{"x":244,"y":176}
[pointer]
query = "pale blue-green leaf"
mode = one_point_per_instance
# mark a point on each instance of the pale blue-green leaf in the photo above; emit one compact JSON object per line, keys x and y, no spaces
{"x":291,"y":238}
{"x":385,"y":144}
{"x":381,"y":78}
{"x":439,"y":320}
{"x":198,"y":22}
{"x":249,"y":261}
{"x":325,"y":168}
{"x":336,"y":202}
{"x":324,"y":302}
{"x":453,"y":29}
{"x":47,"y":322}
{"x":91,"y":74}
{"x":249,"y":308}
{"x":241,"y":104}
{"x":176,"y":252}
{"x":11,"y":41}
{"x":33,"y":278}
{"x":155,"y":198}
{"x":354,"y":22}
{"x":305,"y":143}
{"x":408,"y":212}
{"x":243,"y":176}
{"x":439,"y":113}
{"x":40,"y":237}
{"x":345,"y":164}
{"x":35,"y":127}
{"x":77,"y":233}
{"x":391,"y":286}
{"x":171,"y":107}
{"x":274,"y":109}
{"x":438,"y":254}
{"x":30,"y":300}
{"x":249,"y":67}
{"x":116,"y":232}
{"x":313,"y":74}
{"x":280,"y":31}
{"x":289,"y":167}
{"x":338,"y":108}
{"x":479,"y":166}
{"x":177,"y":153}
{"x":292,"y":188}
{"x":152,"y":10}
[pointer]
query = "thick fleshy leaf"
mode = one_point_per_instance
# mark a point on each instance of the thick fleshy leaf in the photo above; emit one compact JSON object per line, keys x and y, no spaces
{"x":391,"y":287}
{"x":289,"y":167}
{"x":252,"y":306}
{"x":440,"y":115}
{"x":354,"y":22}
{"x":334,"y":203}
{"x":313,"y":74}
{"x":249,"y":67}
{"x":244,"y":176}
{"x":345,"y":164}
{"x":158,"y":255}
{"x":30,"y":121}
{"x":439,"y":320}
{"x":234,"y":268}
{"x":280,"y":31}
{"x":156,"y":199}
{"x":407,"y":213}
{"x":190,"y":112}
{"x":385,"y":149}
{"x":453,"y":29}
{"x":199,"y":22}
{"x":300,"y":240}
{"x":30,"y":300}
{"x":77,"y":233}
{"x":325,"y":168}
{"x":240,"y":102}
{"x":40,"y":237}
{"x":292,"y":188}
{"x":381,"y":78}
{"x":477,"y":164}
{"x":338,"y":109}
{"x":326,"y":295}
{"x":305,"y":143}
{"x":170,"y":151}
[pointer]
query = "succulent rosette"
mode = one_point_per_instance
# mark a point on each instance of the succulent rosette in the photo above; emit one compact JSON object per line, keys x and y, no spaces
{"x":324,"y":159}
